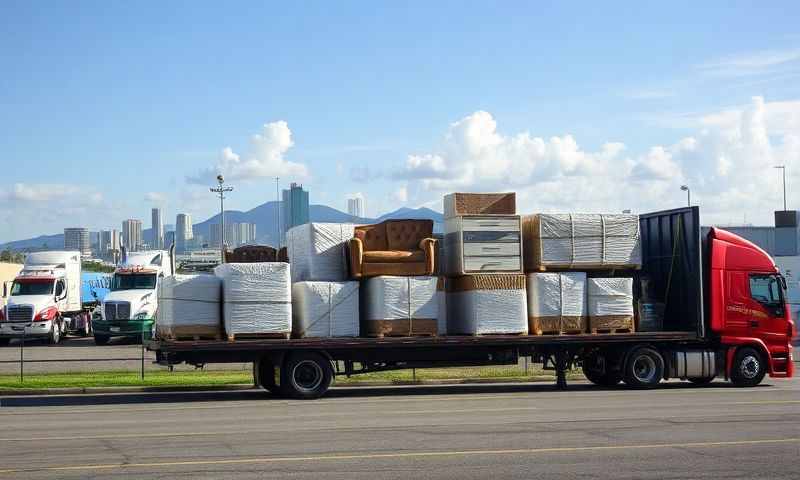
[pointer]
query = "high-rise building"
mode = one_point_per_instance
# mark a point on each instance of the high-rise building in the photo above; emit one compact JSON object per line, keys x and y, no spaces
{"x":355,"y":207}
{"x":78,"y":239}
{"x":183,"y":232}
{"x":295,"y":207}
{"x":157,"y":233}
{"x":236,"y":234}
{"x":108,"y":247}
{"x":132,"y":234}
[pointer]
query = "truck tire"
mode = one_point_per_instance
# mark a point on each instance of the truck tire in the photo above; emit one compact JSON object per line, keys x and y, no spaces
{"x":87,"y":325}
{"x":306,"y":375}
{"x":644,"y":368}
{"x":55,"y":333}
{"x":266,"y":375}
{"x":101,"y":339}
{"x":749,"y":367}
{"x":597,"y":376}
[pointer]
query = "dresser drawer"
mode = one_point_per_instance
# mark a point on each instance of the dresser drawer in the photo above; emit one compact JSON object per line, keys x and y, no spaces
{"x":491,"y":249}
{"x":488,"y":224}
{"x":512,"y":237}
{"x":492,"y":264}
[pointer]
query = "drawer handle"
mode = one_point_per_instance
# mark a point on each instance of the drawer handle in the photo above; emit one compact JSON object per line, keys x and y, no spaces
{"x":491,"y":248}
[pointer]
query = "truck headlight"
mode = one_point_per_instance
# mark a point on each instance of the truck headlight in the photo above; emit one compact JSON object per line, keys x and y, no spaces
{"x":144,"y":315}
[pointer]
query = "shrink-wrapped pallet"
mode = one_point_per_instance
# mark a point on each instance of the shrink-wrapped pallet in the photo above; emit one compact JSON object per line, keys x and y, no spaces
{"x":557,"y":302}
{"x":399,"y":306}
{"x":317,"y":251}
{"x":325,"y":309}
{"x":257,"y":299}
{"x":576,"y":240}
{"x":189,"y":307}
{"x":610,"y":304}
{"x":441,"y":300}
{"x":487,"y":304}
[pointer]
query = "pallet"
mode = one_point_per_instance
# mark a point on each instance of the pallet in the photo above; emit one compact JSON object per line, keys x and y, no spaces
{"x":194,"y":337}
{"x":518,"y":334}
{"x":399,"y":335}
{"x":567,"y":331}
{"x":596,"y":331}
{"x":258,"y":336}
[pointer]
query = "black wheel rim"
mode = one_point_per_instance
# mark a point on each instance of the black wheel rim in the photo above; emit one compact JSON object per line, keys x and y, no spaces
{"x":307,"y":375}
{"x":644,"y":369}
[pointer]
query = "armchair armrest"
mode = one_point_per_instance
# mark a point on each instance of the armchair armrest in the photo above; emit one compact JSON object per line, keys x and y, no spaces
{"x":355,"y":256}
{"x":428,"y":245}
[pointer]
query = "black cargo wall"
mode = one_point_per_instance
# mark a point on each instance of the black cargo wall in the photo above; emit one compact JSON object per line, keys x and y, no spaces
{"x":672,"y":259}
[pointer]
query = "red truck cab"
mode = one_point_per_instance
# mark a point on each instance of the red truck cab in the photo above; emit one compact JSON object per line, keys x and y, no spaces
{"x":748,"y":308}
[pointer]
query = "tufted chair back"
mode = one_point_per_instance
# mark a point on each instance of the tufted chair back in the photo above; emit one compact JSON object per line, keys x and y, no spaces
{"x":373,"y":237}
{"x":406,"y":234}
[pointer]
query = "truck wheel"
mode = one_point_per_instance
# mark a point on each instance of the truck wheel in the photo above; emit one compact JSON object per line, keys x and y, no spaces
{"x":101,"y":339}
{"x":266,"y":375}
{"x":55,"y":333}
{"x":87,"y":326}
{"x":748,"y":367}
{"x":644,"y":368}
{"x":306,"y":375}
{"x":597,"y":376}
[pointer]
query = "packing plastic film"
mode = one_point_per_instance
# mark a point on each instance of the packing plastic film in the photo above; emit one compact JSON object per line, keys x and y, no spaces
{"x":325,"y":309}
{"x":610,"y":297}
{"x":581,"y":240}
{"x":385,"y":299}
{"x":189,"y":305}
{"x":441,"y":299}
{"x":557,"y":302}
{"x":487,"y":304}
{"x":257,"y":297}
{"x":317,"y":251}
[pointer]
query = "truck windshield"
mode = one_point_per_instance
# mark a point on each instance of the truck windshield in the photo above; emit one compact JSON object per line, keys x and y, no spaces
{"x":135,"y":281}
{"x":766,"y":289}
{"x":32,"y":288}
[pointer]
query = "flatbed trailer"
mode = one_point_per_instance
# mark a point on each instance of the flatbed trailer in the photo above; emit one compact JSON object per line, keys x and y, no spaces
{"x":702,"y":336}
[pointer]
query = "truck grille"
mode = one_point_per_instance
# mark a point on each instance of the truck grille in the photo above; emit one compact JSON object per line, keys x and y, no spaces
{"x":118,"y":311}
{"x":20,"y":313}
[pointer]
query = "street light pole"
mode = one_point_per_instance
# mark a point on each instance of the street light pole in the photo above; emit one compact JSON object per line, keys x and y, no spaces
{"x":783,"y":167}
{"x":220,"y":190}
{"x":278,"y":199}
{"x":688,"y":191}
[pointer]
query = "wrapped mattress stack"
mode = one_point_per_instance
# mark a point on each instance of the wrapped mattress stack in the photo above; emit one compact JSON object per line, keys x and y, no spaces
{"x":487,"y":304}
{"x":317,"y":251}
{"x":257,"y":299}
{"x":557,"y":303}
{"x":586,"y":241}
{"x":189,"y":307}
{"x":399,"y":306}
{"x":325,"y":309}
{"x":610,"y":304}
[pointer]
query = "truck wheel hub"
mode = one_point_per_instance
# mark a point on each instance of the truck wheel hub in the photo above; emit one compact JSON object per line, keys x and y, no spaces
{"x":644,"y":368}
{"x":750,"y":367}
{"x":307,"y":375}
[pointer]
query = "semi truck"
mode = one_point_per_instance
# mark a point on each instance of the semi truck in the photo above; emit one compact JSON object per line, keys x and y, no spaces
{"x":45,"y":299}
{"x":129,"y":309}
{"x":725,"y":315}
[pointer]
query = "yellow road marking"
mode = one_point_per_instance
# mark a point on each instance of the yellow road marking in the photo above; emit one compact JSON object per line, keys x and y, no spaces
{"x":379,"y":456}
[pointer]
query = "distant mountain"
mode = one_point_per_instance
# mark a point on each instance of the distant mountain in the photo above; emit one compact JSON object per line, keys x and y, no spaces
{"x":265,"y":218}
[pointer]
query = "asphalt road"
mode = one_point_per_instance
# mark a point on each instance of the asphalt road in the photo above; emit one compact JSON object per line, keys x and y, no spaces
{"x":463,"y":432}
{"x":76,"y":354}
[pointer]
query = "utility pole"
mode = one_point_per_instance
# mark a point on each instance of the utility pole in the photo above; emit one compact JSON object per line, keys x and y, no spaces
{"x":278,"y":199}
{"x":783,"y":167}
{"x":220,"y":190}
{"x":688,"y":191}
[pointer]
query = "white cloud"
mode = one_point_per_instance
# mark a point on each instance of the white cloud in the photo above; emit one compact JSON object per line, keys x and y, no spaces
{"x":400,"y":194}
{"x":156,"y":197}
{"x":751,"y":63}
{"x":266,"y":158}
{"x":727,"y":162}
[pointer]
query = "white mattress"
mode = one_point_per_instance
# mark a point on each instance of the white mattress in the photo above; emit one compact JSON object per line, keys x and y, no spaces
{"x":257,"y":297}
{"x":477,"y":312}
{"x":325,"y":309}
{"x":317,"y":251}
{"x":589,"y":239}
{"x":399,"y":298}
{"x":610,"y":296}
{"x":188,"y":301}
{"x":557,"y":294}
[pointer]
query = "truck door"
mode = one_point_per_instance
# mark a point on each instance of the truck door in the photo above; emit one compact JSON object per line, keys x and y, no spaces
{"x":768,"y":314}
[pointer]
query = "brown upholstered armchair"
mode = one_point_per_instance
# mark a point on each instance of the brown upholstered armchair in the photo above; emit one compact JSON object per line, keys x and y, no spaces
{"x":393,"y":247}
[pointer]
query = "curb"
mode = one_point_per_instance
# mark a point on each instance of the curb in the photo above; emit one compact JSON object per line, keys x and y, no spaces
{"x":244,"y":387}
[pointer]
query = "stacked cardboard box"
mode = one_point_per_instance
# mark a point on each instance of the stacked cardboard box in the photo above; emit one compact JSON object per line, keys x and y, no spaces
{"x":399,"y":306}
{"x":610,"y":305}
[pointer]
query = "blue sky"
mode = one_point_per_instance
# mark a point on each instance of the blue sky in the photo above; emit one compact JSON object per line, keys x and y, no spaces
{"x":107,"y":109}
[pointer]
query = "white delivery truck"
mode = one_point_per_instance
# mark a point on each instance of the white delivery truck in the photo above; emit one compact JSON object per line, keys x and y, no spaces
{"x":129,"y":309}
{"x":45,"y":299}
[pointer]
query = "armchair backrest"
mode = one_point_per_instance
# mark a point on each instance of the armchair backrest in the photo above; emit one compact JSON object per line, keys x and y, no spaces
{"x":406,"y":234}
{"x":373,"y":237}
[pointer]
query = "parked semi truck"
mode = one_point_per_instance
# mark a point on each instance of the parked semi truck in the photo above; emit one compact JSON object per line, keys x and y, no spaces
{"x":725,"y":315}
{"x":45,"y":299}
{"x":129,"y":309}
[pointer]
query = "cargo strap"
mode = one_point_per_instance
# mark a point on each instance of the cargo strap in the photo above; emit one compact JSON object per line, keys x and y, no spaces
{"x":605,"y":239}
{"x":410,"y":317}
{"x":572,"y":239}
{"x":672,"y":264}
